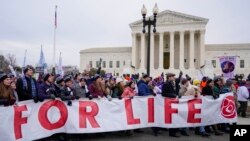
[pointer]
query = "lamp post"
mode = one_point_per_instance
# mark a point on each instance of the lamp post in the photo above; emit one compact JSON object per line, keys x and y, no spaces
{"x":148,"y":22}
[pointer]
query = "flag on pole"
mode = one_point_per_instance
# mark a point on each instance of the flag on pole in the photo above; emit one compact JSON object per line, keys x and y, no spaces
{"x":42,"y":62}
{"x":55,"y":16}
{"x":24,"y":59}
{"x":60,"y":70}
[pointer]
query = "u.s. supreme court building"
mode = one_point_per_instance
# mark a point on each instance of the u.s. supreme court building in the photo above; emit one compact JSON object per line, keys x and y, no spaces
{"x":178,"y":44}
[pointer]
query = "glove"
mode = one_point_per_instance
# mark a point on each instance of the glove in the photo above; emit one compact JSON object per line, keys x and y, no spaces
{"x":179,"y":96}
{"x":77,"y":97}
{"x":131,"y":97}
{"x":120,"y":98}
{"x":215,"y":96}
{"x":195,"y":95}
{"x":73,"y":97}
{"x":69,"y":103}
{"x":12,"y":101}
{"x":40,"y":99}
{"x":35,"y":99}
{"x":154,"y":94}
{"x":52,"y":96}
{"x":109,"y":98}
{"x":90,"y":97}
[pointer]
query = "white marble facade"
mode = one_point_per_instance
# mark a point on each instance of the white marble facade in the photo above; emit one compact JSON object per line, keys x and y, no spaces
{"x":178,"y":44}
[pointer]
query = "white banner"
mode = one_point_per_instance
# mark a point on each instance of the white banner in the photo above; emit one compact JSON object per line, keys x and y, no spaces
{"x":228,"y":64}
{"x":29,"y":121}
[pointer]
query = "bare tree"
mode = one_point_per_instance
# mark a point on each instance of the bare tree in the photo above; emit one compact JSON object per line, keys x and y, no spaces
{"x":3,"y":63}
{"x":11,"y":58}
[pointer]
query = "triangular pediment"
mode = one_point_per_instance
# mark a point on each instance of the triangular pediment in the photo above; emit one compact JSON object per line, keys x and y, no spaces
{"x":171,"y":17}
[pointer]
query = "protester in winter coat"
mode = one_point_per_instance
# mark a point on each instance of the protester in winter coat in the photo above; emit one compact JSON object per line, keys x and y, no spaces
{"x":13,"y":87}
{"x":119,"y":88}
{"x":169,"y":89}
{"x":77,"y":78}
{"x":27,"y":86}
{"x":81,"y":88}
{"x":6,"y":94}
{"x":47,"y":90}
{"x":203,"y":83}
{"x":235,"y":83}
{"x":243,"y":96}
{"x":96,"y":89}
{"x":129,"y":91}
{"x":228,"y":87}
{"x":208,"y":90}
{"x":68,"y":92}
{"x":110,"y":86}
{"x":143,"y":88}
{"x":218,"y":86}
{"x":59,"y":85}
{"x":248,"y":84}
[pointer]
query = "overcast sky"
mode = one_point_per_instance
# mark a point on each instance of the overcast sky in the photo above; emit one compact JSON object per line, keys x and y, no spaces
{"x":82,"y":24}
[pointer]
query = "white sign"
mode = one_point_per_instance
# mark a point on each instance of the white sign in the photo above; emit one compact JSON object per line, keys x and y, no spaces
{"x":30,"y":121}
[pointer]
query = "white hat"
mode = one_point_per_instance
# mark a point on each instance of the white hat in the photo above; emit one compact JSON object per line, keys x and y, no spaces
{"x":118,"y":80}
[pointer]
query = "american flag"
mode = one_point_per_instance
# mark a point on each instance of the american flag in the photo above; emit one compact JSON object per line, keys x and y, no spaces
{"x":55,"y":16}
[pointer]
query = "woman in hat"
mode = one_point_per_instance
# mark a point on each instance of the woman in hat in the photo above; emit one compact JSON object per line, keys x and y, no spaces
{"x":67,"y":91}
{"x":47,"y":90}
{"x":59,"y":85}
{"x":119,"y":88}
{"x":129,"y":90}
{"x":81,"y":89}
{"x":95,"y":89}
{"x":6,"y":94}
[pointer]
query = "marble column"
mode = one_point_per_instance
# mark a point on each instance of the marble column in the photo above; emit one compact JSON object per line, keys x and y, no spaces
{"x":202,"y":48}
{"x":181,"y":55}
{"x":143,"y":51}
{"x":134,"y":53}
{"x":191,"y":49}
{"x":161,"y":51}
{"x":171,"y":51}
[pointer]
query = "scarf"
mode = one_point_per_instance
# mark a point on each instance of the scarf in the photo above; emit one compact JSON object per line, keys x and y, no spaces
{"x":33,"y":86}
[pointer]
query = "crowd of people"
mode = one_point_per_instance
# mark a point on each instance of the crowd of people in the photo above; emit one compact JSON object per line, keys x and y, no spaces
{"x":81,"y":85}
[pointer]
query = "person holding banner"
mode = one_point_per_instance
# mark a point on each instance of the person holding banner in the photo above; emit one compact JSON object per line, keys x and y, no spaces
{"x":95,"y":88}
{"x":110,"y":86}
{"x":27,"y":85}
{"x":144,"y":90}
{"x":81,"y":89}
{"x":6,"y":94}
{"x":119,"y":88}
{"x":47,"y":90}
{"x":170,"y":89}
{"x":59,"y":85}
{"x":208,"y":90}
{"x":129,"y":91}
{"x":68,"y":92}
{"x":143,"y":87}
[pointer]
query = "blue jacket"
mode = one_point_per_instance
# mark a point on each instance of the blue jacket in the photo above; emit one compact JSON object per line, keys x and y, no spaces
{"x":45,"y":91}
{"x":143,"y":89}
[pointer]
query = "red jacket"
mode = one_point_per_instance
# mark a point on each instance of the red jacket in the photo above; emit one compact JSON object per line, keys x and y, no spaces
{"x":128,"y":92}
